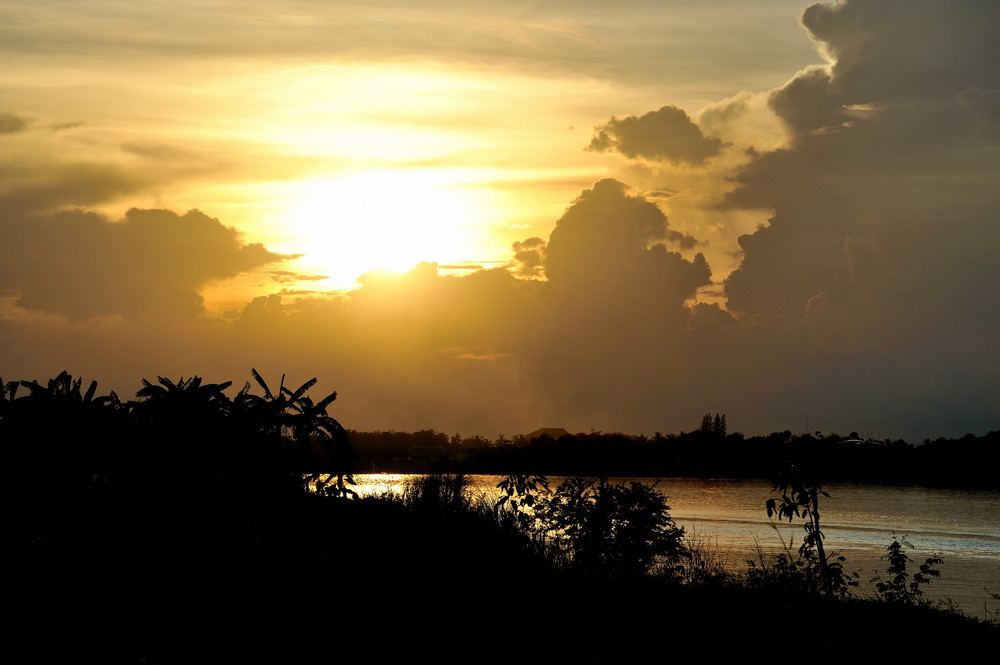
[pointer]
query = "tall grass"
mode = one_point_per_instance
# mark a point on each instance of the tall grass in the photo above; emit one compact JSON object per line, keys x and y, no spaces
{"x":522,"y":534}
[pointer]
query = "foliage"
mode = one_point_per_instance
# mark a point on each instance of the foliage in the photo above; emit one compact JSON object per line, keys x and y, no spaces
{"x":520,"y":491}
{"x":292,"y":415}
{"x":596,"y":527}
{"x":613,"y":529}
{"x":185,"y":432}
{"x":800,"y":498}
{"x":438,"y":492}
{"x":800,"y":572}
{"x":715,"y":426}
{"x":900,"y":587}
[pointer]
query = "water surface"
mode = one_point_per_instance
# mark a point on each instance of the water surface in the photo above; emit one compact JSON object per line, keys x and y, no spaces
{"x":728,"y":518}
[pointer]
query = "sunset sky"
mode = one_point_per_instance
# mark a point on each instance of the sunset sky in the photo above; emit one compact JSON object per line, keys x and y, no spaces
{"x":494,"y":217}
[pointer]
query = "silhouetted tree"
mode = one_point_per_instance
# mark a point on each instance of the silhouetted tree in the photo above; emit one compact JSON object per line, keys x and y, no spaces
{"x":293,"y":415}
{"x":719,"y":425}
{"x":706,"y":423}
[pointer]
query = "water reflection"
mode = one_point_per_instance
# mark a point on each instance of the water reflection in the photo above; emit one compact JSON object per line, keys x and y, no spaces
{"x":726,"y":518}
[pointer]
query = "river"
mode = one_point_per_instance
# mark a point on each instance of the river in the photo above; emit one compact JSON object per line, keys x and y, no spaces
{"x":727,"y":519}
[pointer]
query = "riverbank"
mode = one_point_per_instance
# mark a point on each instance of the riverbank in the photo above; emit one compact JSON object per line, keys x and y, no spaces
{"x":967,"y":462}
{"x":281,"y":575}
{"x":177,"y":528}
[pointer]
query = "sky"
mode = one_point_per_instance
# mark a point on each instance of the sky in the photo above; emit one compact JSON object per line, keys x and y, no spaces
{"x":493,"y":217}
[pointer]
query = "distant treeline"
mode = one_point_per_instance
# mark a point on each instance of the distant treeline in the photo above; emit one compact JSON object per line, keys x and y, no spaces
{"x":65,"y":424}
{"x":969,"y":461}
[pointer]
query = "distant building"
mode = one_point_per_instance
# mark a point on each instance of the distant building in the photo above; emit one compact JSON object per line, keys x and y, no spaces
{"x":551,"y":432}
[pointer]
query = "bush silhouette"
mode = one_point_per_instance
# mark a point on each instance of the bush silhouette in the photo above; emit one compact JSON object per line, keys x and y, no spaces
{"x":612,"y":529}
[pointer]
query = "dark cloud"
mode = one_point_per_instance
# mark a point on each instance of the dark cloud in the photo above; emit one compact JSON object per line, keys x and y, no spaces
{"x":879,"y":142}
{"x":151,"y":263}
{"x":682,"y":240}
{"x":608,"y":245}
{"x":664,"y":134}
{"x":897,"y":49}
{"x":614,"y":300}
{"x":12,"y":124}
{"x":529,"y":257}
{"x":159,"y":152}
{"x":291,"y":277}
{"x":29,"y":188}
{"x":809,"y":101}
{"x":884,"y":203}
{"x":63,"y":126}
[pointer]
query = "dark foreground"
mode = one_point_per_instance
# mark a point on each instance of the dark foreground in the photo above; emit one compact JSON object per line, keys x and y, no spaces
{"x":175,"y":528}
{"x":124,"y":574}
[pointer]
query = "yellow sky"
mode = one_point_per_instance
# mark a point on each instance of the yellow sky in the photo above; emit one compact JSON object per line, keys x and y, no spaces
{"x":736,"y":206}
{"x":368,"y":135}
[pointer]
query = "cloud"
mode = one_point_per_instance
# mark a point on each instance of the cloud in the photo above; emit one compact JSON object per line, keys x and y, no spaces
{"x":614,"y":299}
{"x":898,"y":97}
{"x":159,"y":152}
{"x":12,"y":124}
{"x":609,"y":243}
{"x":866,"y":300}
{"x":489,"y":350}
{"x":27,"y":188}
{"x":529,"y":257}
{"x":682,"y":240}
{"x":884,"y":203}
{"x":151,"y":263}
{"x":664,"y":134}
{"x":867,"y":285}
{"x":292,"y":277}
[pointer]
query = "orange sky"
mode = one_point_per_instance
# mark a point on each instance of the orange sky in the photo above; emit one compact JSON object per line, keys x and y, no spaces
{"x":599,"y":217}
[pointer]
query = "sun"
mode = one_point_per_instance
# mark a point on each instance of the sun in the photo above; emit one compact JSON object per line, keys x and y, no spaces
{"x":386,"y":220}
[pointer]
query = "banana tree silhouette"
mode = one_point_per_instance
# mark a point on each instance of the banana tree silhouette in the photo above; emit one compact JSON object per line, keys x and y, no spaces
{"x":294,"y":416}
{"x":192,"y":392}
{"x":8,"y":393}
{"x":59,"y":423}
{"x":185,"y":424}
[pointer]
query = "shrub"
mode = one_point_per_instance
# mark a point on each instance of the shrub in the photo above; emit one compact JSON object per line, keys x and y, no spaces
{"x":900,"y":587}
{"x":612,"y":529}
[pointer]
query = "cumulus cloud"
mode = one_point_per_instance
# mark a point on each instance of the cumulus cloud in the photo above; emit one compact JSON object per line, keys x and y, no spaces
{"x":872,"y":264}
{"x":151,"y":263}
{"x":608,"y":245}
{"x":883,"y":203}
{"x":664,"y":134}
{"x":613,"y":306}
{"x":529,"y":257}
{"x":888,"y":172}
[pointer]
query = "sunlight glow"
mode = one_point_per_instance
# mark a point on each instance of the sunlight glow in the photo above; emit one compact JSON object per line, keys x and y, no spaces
{"x":388,"y":220}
